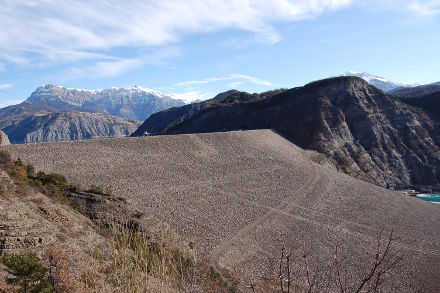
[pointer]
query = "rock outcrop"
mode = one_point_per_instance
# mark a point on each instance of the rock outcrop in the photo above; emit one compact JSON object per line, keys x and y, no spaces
{"x":67,"y":126}
{"x":362,"y":130}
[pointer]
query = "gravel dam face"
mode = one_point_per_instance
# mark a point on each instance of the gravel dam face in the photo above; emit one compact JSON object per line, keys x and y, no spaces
{"x":234,"y":193}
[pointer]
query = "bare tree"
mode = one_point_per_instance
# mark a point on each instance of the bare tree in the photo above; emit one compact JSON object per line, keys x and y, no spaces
{"x":295,"y":272}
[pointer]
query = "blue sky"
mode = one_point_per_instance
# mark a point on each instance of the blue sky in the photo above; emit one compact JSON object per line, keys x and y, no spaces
{"x":196,"y":49}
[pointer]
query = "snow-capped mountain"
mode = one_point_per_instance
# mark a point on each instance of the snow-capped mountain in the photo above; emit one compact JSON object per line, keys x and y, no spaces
{"x":377,"y":81}
{"x":135,"y":103}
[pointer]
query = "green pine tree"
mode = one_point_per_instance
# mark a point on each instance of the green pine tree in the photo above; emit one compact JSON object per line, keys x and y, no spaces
{"x":27,"y":272}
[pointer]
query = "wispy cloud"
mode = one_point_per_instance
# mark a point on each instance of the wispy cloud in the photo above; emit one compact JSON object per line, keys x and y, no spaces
{"x":6,"y":86}
{"x":242,"y":77}
{"x":73,"y":30}
{"x":57,"y":32}
{"x":103,"y":69}
{"x":414,"y":8}
{"x":191,"y":96}
{"x":201,"y":89}
{"x":425,"y":8}
{"x":235,"y":84}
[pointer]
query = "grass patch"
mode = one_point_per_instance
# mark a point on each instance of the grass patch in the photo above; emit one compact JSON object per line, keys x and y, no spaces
{"x":99,"y":190}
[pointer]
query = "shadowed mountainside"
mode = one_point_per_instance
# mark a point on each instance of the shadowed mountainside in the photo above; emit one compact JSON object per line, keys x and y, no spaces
{"x":163,"y":121}
{"x":360,"y":129}
{"x":232,"y":194}
{"x":426,"y":104}
{"x":67,"y":126}
{"x":407,"y":92}
{"x":22,"y":110}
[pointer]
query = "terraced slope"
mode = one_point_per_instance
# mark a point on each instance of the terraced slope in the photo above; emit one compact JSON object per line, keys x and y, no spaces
{"x":233,"y":194}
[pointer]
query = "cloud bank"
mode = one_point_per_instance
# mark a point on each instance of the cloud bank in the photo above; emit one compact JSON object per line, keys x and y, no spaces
{"x":56,"y":32}
{"x":79,"y":30}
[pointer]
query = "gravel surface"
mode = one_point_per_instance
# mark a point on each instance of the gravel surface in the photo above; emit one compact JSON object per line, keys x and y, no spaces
{"x":234,"y":193}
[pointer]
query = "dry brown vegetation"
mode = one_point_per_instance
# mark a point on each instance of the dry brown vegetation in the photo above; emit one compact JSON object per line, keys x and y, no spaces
{"x":131,"y":262}
{"x":301,"y":270}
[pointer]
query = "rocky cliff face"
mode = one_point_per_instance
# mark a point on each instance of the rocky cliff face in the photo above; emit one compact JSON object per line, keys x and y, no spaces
{"x":4,"y":140}
{"x":362,"y":130}
{"x":134,"y":103}
{"x":67,"y":126}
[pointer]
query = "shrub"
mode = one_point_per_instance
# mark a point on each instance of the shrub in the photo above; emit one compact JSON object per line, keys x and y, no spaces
{"x":5,"y":157}
{"x":19,"y":163}
{"x":99,"y":190}
{"x":139,"y":214}
{"x":217,"y":278}
{"x":18,"y":172}
{"x":60,"y":273}
{"x":2,"y":191}
{"x":27,"y":272}
{"x":74,"y":188}
{"x":57,"y":192}
{"x":52,"y":178}
{"x":76,"y":205}
{"x":95,"y":189}
{"x":30,"y":170}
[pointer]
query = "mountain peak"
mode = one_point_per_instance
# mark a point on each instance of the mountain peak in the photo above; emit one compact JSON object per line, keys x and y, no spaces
{"x":367,"y":76}
{"x":380,"y":82}
{"x":136,"y":102}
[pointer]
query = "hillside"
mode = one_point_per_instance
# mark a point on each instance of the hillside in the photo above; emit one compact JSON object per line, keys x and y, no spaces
{"x":161,"y":122}
{"x":90,"y":240}
{"x":428,"y":104}
{"x":67,"y":126}
{"x":363,"y":131}
{"x":32,"y":220}
{"x":22,"y":110}
{"x":407,"y":92}
{"x":233,"y":195}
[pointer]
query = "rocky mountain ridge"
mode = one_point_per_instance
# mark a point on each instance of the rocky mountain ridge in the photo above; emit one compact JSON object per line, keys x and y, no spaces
{"x":80,"y":114}
{"x":405,"y":92}
{"x":67,"y":126}
{"x":360,"y":129}
{"x":134,"y":103}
